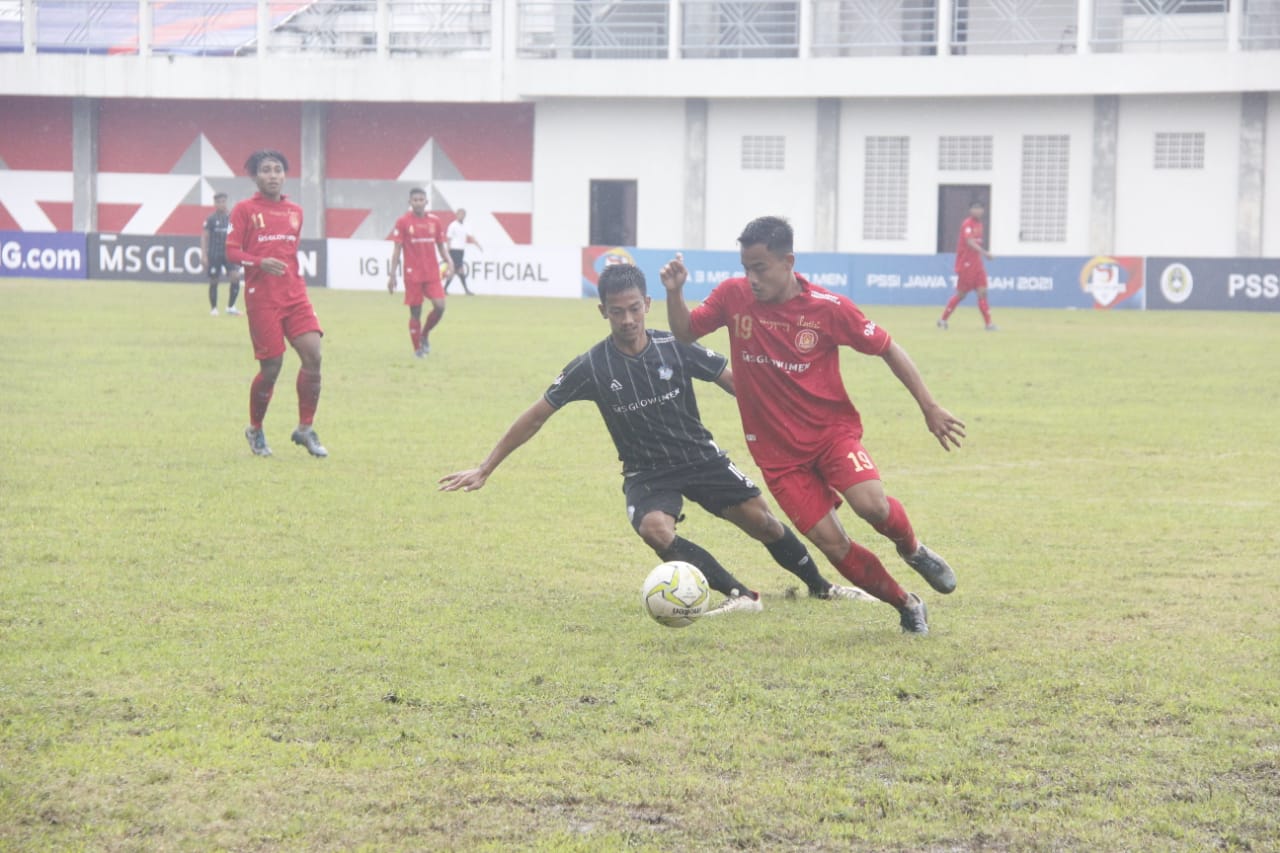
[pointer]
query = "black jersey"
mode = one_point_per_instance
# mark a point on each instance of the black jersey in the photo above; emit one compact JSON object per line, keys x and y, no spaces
{"x":646,"y":400}
{"x":217,"y":225}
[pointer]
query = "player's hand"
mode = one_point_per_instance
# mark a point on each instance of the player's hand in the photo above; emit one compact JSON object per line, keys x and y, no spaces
{"x":391,"y":283}
{"x":945,"y":427}
{"x":273,"y":266}
{"x":674,"y":274}
{"x":464,"y":481}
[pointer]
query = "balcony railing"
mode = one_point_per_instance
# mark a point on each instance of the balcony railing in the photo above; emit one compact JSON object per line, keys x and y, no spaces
{"x":635,"y":29}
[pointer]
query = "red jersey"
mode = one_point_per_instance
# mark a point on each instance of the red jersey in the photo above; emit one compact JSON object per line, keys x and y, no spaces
{"x":967,"y":257}
{"x":418,"y":236}
{"x":786,"y":365}
{"x":260,"y":229}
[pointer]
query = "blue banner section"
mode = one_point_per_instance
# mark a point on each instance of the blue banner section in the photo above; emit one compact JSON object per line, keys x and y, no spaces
{"x":1214,"y":284}
{"x":1015,"y":282}
{"x":33,"y":254}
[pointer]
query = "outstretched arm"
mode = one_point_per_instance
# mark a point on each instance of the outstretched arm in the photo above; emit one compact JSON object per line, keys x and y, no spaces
{"x":673,"y":277}
{"x":945,"y":426}
{"x":523,"y":429}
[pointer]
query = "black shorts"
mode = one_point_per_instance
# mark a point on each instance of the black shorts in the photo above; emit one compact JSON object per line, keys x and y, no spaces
{"x":457,"y":256}
{"x":219,"y":267}
{"x":714,"y":485}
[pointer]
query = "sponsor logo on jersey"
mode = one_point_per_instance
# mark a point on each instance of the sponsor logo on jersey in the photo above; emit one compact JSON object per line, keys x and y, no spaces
{"x":615,"y":386}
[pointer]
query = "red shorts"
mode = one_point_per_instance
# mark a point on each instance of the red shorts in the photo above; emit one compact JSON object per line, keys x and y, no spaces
{"x":808,"y":491}
{"x":970,"y":278}
{"x":271,"y":325}
{"x":417,"y":291}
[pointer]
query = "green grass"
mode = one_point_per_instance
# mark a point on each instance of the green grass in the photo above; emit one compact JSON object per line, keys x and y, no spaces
{"x":203,"y":650}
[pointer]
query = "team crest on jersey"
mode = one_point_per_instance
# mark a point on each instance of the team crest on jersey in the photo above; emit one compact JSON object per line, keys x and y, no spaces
{"x":664,"y":373}
{"x":806,"y":340}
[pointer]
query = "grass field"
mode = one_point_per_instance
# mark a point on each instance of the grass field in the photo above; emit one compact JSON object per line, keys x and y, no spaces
{"x":204,"y":650}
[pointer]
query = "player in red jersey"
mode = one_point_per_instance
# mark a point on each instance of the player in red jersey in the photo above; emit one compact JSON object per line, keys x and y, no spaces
{"x":263,"y":238}
{"x":421,"y":239}
{"x":785,"y":336}
{"x":971,"y":275}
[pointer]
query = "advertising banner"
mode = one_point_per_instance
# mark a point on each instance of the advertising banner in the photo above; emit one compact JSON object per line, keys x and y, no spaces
{"x":1100,"y":282}
{"x":500,"y":271}
{"x":143,"y":257}
{"x":34,"y":254}
{"x":1214,"y":284}
{"x":1014,"y":282}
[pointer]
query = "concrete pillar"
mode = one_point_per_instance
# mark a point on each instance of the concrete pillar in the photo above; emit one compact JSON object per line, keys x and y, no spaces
{"x":311,"y":171}
{"x":826,"y":194}
{"x":84,"y":164}
{"x":1102,"y":195}
{"x":695,"y":173}
{"x":1253,"y":173}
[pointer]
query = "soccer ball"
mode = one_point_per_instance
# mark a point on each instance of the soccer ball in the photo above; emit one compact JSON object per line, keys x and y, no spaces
{"x":675,"y":594}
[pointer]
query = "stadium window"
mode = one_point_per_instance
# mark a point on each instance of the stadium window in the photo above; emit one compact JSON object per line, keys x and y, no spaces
{"x":884,"y":193}
{"x":764,"y":153}
{"x":964,"y":154}
{"x":1179,"y":151}
{"x":1043,"y":208}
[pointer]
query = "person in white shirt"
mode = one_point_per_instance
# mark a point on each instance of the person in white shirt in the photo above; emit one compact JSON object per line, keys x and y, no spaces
{"x":459,"y":236}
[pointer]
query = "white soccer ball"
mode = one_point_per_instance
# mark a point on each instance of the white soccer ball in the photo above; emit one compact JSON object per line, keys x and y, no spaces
{"x":675,"y":594}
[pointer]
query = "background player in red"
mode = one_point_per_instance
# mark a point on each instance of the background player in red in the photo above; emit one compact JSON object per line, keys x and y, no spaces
{"x":971,"y":275}
{"x":420,"y":237}
{"x":803,"y":431}
{"x":263,"y":238}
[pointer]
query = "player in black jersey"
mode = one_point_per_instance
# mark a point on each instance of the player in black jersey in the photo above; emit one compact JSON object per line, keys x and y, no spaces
{"x":213,"y":250}
{"x":642,"y":382}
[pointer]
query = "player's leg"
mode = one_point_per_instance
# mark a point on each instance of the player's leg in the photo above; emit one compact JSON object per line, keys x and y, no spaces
{"x":302,"y":328}
{"x":266,"y":331}
{"x":889,"y":518}
{"x":437,"y":311}
{"x":415,"y":327}
{"x":459,"y":264}
{"x":722,"y":489}
{"x":985,"y":308}
{"x":811,"y":503}
{"x":952,"y":304}
{"x":213,"y":292}
{"x":654,"y":509}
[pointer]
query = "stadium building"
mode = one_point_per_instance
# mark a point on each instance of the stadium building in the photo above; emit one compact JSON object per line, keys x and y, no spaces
{"x":1143,"y":127}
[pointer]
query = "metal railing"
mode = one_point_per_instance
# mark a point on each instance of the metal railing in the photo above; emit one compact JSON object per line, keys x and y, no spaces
{"x":1260,"y":25}
{"x":1137,"y":25}
{"x":593,"y":29}
{"x":437,"y":28}
{"x":740,"y":29}
{"x":1013,"y":26}
{"x":634,"y":29}
{"x":875,"y":27}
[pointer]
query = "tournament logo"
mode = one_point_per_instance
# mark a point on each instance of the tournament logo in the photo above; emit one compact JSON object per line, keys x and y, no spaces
{"x":1176,"y":283}
{"x":1110,"y":281}
{"x":806,"y":340}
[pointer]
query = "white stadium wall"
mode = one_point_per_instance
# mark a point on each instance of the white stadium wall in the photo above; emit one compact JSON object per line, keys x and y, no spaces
{"x":577,"y":141}
{"x":1271,"y":186}
{"x":735,"y":194}
{"x":924,"y":122}
{"x":1164,"y":211}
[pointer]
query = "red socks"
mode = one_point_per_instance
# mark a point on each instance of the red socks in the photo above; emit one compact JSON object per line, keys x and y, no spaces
{"x":415,"y":332}
{"x":985,"y":309}
{"x":259,"y":398}
{"x":897,"y":527}
{"x":308,"y":396}
{"x":864,"y":569}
